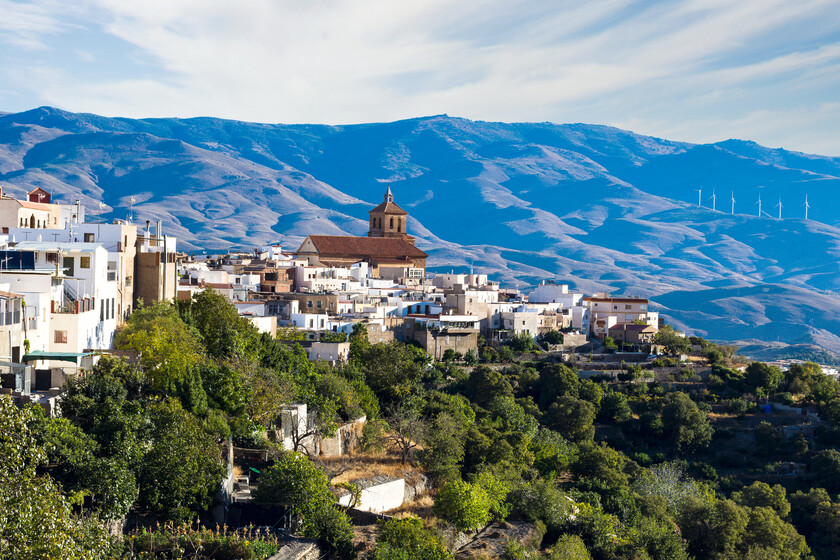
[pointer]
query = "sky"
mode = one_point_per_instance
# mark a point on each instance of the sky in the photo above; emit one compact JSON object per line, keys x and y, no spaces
{"x":696,"y":71}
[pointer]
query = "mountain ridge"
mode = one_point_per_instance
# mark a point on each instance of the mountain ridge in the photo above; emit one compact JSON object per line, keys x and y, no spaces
{"x":604,"y":208}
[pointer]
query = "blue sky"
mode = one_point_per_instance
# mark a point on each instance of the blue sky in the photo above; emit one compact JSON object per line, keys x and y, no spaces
{"x":698,"y":71}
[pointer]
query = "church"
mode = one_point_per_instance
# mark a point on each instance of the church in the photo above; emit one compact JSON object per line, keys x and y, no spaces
{"x":388,"y":248}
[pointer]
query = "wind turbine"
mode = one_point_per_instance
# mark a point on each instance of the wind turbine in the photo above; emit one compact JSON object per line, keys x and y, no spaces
{"x":700,"y":197}
{"x":759,"y":205}
{"x":713,"y":199}
{"x":732,"y":200}
{"x":779,"y":206}
{"x":807,"y":206}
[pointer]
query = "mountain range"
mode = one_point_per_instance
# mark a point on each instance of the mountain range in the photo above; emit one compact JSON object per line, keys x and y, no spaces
{"x":597,"y":207}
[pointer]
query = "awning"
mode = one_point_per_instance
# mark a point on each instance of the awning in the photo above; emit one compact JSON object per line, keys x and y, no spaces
{"x":74,"y":357}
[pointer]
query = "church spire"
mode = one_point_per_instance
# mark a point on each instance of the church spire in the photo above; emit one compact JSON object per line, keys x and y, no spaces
{"x":388,"y":196}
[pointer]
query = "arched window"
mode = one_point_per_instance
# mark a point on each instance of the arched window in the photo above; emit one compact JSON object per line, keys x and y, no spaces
{"x":399,"y":224}
{"x":392,"y":224}
{"x":32,"y":221}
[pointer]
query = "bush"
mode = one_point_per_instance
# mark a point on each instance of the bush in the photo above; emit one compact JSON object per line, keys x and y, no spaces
{"x":470,"y":506}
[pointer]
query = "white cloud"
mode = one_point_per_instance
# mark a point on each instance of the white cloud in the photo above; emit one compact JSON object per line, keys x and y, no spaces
{"x":683,"y":66}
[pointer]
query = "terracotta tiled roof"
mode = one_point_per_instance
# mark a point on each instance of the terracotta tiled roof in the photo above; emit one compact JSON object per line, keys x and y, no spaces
{"x":10,"y":295}
{"x":35,"y":205}
{"x":365,"y":247}
{"x":389,"y":208}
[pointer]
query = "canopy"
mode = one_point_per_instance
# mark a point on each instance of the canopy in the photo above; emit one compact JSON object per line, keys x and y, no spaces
{"x":74,"y":357}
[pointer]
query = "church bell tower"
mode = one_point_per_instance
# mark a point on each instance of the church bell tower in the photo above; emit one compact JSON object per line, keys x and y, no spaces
{"x":389,"y":220}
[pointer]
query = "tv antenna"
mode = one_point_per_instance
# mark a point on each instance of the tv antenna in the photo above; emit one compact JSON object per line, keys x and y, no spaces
{"x":732,"y":200}
{"x":807,"y":206}
{"x":713,"y":198}
{"x":779,"y":206}
{"x":131,"y":201}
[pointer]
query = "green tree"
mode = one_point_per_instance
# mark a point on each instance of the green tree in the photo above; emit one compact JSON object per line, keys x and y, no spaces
{"x":672,"y":341}
{"x":470,"y":506}
{"x":614,"y":408}
{"x":294,"y":481}
{"x":407,"y":539}
{"x":392,"y":370}
{"x":182,"y":468}
{"x":826,"y":465}
{"x":485,"y":384}
{"x":225,"y":333}
{"x":686,"y":425}
{"x":761,"y":494}
{"x":764,"y":376}
{"x":572,"y":418}
{"x":36,"y":521}
{"x":569,"y":547}
{"x":168,"y":347}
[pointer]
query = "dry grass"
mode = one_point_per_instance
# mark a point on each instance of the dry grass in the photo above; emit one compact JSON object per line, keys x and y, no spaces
{"x":237,"y":471}
{"x":369,"y":465}
{"x":420,"y":507}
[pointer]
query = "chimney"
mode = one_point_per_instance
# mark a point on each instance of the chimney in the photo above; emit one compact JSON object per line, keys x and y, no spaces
{"x":159,"y":230}
{"x":148,"y":223}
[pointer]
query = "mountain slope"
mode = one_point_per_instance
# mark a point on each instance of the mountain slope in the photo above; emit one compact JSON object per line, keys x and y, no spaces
{"x":602,"y":208}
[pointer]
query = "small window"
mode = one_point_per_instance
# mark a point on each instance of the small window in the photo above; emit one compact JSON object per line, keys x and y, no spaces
{"x":88,"y":238}
{"x":320,"y":304}
{"x":628,"y":307}
{"x":84,"y":262}
{"x":309,"y":303}
{"x":60,"y":337}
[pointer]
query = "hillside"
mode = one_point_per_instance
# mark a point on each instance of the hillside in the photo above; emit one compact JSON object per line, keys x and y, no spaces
{"x":599,"y":207}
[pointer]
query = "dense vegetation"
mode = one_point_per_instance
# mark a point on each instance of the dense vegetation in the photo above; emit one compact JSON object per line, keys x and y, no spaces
{"x":664,"y":465}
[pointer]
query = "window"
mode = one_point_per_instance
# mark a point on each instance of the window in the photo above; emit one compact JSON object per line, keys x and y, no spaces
{"x":628,"y":307}
{"x":84,"y":262}
{"x":309,"y":303}
{"x":69,"y":265}
{"x":52,"y":258}
{"x":60,"y":337}
{"x":392,"y":223}
{"x":88,"y":238}
{"x":320,"y":304}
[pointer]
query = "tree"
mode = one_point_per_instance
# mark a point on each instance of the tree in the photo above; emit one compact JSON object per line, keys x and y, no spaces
{"x":761,"y":494}
{"x":572,"y":418}
{"x":294,"y":481}
{"x":168,"y":347}
{"x":556,"y":380}
{"x":553,"y":337}
{"x":470,"y":506}
{"x":486,"y":384}
{"x":392,"y":371}
{"x":471,"y":358}
{"x":764,"y":376}
{"x":569,"y":547}
{"x":225,"y":333}
{"x":407,"y":539}
{"x":687,"y":426}
{"x":614,"y":408}
{"x":768,"y":439}
{"x":182,"y":469}
{"x":36,"y":521}
{"x":672,"y":341}
{"x":406,"y":431}
{"x":826,"y":464}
